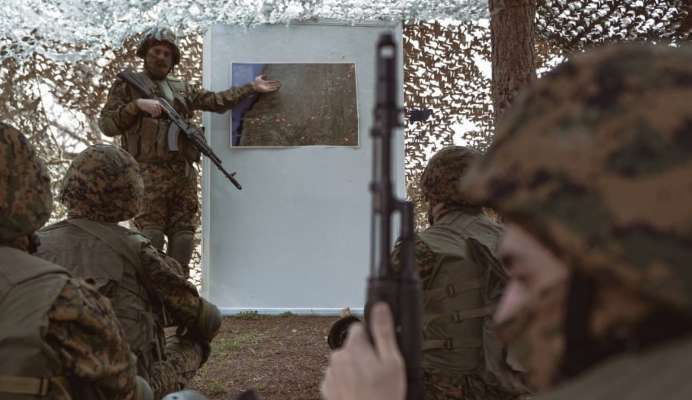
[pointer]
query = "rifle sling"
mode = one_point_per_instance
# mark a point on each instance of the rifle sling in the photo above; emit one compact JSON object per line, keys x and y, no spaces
{"x":141,"y":82}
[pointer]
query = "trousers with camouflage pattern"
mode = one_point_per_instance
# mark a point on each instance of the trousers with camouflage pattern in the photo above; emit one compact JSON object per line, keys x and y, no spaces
{"x":170,"y":197}
{"x":463,"y":387}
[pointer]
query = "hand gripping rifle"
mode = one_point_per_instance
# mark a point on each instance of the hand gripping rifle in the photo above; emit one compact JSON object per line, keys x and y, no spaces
{"x":400,"y":289}
{"x":179,"y":124}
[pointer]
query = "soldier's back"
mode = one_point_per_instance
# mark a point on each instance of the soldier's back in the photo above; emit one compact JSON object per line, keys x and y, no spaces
{"x":28,"y":288}
{"x":462,"y":282}
{"x":107,"y":255}
{"x":80,"y":252}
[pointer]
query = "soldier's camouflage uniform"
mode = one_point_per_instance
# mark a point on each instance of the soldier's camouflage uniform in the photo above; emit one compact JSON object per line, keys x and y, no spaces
{"x":462,"y":281}
{"x":595,"y":161}
{"x":58,"y":337}
{"x":146,"y":287}
{"x":170,"y":198}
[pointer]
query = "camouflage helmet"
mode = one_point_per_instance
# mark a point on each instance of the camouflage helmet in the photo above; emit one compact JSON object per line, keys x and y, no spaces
{"x":103,"y":184}
{"x":158,"y":34}
{"x":438,"y":182}
{"x":25,"y":197}
{"x":595,"y":160}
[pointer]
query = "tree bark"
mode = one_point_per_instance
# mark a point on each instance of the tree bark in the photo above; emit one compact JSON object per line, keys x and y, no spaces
{"x":512,"y":32}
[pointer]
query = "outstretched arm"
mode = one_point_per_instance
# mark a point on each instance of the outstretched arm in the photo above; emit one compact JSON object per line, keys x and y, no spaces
{"x":205,"y":100}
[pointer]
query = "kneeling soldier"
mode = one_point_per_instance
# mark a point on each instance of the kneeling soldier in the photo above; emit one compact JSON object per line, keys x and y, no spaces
{"x":101,"y":188}
{"x":59,"y":338}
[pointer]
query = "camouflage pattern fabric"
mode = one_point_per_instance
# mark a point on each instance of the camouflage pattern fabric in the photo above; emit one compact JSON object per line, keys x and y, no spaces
{"x":173,"y":300}
{"x":465,"y":387}
{"x":25,"y":198}
{"x":103,"y":184}
{"x":85,"y":334}
{"x":439,"y":179}
{"x":595,"y":160}
{"x":120,"y":113}
{"x":160,"y":35}
{"x":170,"y":185}
{"x":183,"y":358}
{"x":426,"y":259}
{"x":170,"y":201}
{"x":180,"y":297}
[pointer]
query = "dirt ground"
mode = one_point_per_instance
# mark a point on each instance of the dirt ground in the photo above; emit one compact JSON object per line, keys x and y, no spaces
{"x":281,"y":357}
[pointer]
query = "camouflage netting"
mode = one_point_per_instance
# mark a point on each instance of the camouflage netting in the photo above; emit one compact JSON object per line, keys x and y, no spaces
{"x":576,"y":24}
{"x":56,"y":99}
{"x":442,"y":73}
{"x":29,"y":27}
{"x":57,"y":104}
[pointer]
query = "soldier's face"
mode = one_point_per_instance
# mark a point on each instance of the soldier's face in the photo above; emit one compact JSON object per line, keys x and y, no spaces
{"x":530,"y":316}
{"x":159,"y":60}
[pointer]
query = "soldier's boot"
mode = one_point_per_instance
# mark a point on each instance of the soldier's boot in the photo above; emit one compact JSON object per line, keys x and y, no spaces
{"x":180,"y":246}
{"x":155,"y":235}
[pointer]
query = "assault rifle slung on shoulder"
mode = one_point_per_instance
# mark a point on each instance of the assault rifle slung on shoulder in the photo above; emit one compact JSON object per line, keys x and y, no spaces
{"x":179,"y":124}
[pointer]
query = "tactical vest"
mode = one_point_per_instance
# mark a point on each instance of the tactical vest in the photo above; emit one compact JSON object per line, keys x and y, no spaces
{"x":29,"y":368}
{"x":460,"y":297}
{"x":148,"y":139}
{"x":109,"y":256}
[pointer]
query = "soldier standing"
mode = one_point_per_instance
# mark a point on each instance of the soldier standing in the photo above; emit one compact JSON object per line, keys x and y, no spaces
{"x":593,"y":168}
{"x":101,"y":188}
{"x":171,"y":205}
{"x":59,"y":338}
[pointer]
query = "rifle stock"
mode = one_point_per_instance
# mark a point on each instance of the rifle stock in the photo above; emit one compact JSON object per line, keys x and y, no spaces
{"x":191,"y":133}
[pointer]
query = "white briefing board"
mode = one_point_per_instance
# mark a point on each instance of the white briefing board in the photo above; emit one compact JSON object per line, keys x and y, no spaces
{"x":297,"y":237}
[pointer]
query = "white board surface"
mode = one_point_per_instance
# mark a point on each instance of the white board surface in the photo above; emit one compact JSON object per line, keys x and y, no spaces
{"x":297,"y":237}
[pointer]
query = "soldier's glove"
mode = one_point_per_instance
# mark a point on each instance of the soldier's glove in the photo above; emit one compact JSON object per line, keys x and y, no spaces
{"x":339,"y":330}
{"x":208,"y":321}
{"x":206,"y":350}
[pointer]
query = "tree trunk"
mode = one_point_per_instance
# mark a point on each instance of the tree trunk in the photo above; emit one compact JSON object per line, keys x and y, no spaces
{"x":512,"y":31}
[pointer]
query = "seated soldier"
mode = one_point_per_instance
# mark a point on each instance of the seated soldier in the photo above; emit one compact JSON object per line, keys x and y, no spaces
{"x":59,"y":339}
{"x":462,"y":280}
{"x":101,"y":188}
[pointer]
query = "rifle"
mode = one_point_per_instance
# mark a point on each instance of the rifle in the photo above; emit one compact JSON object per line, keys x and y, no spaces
{"x":400,"y":289}
{"x":179,"y":124}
